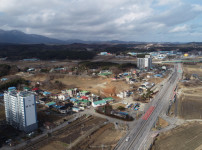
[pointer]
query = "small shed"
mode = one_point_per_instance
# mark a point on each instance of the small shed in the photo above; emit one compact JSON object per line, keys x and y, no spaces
{"x":35,"y":89}
{"x":84,"y":97}
{"x":158,"y":75}
{"x":26,"y":88}
{"x":50,"y":104}
{"x":4,"y":79}
{"x":45,"y":93}
{"x":83,"y":102}
{"x":84,"y":93}
{"x":73,"y":100}
{"x":11,"y":88}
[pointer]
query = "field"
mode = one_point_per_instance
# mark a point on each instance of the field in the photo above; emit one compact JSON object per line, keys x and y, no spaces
{"x":185,"y":137}
{"x":189,"y":99}
{"x":84,"y":133}
{"x":190,"y":107}
{"x":193,"y":69}
{"x":106,"y":136}
{"x":68,"y":136}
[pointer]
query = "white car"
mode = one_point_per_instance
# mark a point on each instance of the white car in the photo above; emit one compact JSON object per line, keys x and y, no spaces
{"x":127,"y":139}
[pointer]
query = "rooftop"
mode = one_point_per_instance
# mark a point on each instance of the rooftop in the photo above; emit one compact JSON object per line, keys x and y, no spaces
{"x":82,"y":101}
{"x":99,"y":102}
{"x":108,"y":99}
{"x":25,"y":93}
{"x":22,"y":93}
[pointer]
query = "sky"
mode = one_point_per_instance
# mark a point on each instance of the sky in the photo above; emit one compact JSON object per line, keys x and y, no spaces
{"x":92,"y":20}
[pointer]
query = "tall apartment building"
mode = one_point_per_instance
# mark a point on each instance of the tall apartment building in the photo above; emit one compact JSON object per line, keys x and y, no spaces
{"x":20,"y":110}
{"x":143,"y":63}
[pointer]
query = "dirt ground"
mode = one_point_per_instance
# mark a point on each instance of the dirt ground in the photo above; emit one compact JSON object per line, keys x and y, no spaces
{"x":2,"y":113}
{"x":95,"y":85}
{"x":116,"y":105}
{"x":185,"y":137}
{"x":55,"y":145}
{"x":106,"y":136}
{"x":161,"y":123}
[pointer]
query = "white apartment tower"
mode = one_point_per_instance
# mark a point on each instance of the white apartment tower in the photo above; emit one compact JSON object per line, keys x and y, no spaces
{"x":20,"y":110}
{"x":143,"y":63}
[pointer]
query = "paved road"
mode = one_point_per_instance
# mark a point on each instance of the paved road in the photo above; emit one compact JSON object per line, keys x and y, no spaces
{"x":160,"y":104}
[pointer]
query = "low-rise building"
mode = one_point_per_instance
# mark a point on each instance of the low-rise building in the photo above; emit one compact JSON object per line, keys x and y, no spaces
{"x":83,"y":102}
{"x":108,"y":99}
{"x":63,"y":97}
{"x":84,"y":93}
{"x":99,"y":103}
{"x":50,"y":104}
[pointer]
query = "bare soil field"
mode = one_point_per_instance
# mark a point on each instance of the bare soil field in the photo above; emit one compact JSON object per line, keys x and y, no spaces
{"x":67,"y":136}
{"x":193,"y":69}
{"x":190,"y":107}
{"x":190,"y":95}
{"x":94,"y":85}
{"x":55,"y":145}
{"x":185,"y":137}
{"x":106,"y":136}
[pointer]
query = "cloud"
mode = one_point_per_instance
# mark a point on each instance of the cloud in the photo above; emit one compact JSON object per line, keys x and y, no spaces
{"x":183,"y":28}
{"x":168,"y":2}
{"x":197,"y":7}
{"x":100,"y":19}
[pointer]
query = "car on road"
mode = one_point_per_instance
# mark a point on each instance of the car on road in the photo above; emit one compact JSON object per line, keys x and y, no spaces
{"x":127,"y":139}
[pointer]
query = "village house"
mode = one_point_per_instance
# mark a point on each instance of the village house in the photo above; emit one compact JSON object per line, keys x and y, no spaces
{"x":99,"y":103}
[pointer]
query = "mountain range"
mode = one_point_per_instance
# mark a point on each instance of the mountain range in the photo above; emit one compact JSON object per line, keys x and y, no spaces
{"x":18,"y":37}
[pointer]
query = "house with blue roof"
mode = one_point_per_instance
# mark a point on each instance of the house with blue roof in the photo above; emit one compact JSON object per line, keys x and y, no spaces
{"x":73,"y":100}
{"x":45,"y":93}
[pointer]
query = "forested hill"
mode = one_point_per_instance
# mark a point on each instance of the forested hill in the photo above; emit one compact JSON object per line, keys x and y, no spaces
{"x":45,"y":52}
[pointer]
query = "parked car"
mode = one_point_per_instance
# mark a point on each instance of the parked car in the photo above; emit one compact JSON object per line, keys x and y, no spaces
{"x":127,"y":139}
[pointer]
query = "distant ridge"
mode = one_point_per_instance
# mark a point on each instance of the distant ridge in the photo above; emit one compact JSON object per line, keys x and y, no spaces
{"x":18,"y":37}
